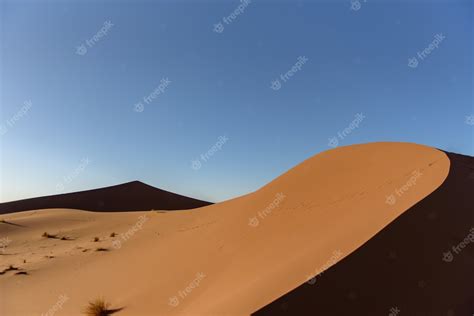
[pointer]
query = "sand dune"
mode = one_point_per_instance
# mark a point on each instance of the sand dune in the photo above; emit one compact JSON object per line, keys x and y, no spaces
{"x":231,"y":258}
{"x":131,"y":196}
{"x":409,"y":273}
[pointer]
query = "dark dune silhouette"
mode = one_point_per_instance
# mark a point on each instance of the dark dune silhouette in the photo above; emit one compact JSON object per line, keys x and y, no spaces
{"x":131,"y":196}
{"x":401,"y":270}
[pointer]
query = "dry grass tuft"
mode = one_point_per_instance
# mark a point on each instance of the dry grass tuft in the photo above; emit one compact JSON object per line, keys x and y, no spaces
{"x":48,"y":235}
{"x":98,"y":307}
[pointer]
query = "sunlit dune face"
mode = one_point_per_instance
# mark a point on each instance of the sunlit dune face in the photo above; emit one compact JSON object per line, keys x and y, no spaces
{"x":230,"y":258}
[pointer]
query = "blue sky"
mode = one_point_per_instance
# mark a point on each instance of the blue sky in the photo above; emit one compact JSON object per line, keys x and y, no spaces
{"x":82,"y":129}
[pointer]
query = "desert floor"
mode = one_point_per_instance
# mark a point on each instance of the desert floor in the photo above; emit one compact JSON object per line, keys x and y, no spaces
{"x":230,"y":258}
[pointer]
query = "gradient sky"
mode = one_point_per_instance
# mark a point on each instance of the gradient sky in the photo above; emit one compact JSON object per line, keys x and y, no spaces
{"x":82,"y":106}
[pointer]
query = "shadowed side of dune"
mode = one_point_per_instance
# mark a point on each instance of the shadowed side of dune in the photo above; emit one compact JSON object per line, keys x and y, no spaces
{"x":421,"y":264}
{"x":131,"y":196}
{"x":231,"y":258}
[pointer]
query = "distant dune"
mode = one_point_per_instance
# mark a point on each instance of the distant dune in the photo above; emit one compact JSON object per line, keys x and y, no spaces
{"x":131,"y":196}
{"x":402,"y":267}
{"x":238,"y":256}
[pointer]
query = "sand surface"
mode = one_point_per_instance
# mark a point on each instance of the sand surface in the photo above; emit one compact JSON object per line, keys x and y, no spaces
{"x":421,"y":264}
{"x":231,"y":258}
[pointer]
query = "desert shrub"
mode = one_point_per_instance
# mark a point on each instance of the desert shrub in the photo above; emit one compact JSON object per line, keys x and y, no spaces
{"x":98,"y":307}
{"x":48,"y":235}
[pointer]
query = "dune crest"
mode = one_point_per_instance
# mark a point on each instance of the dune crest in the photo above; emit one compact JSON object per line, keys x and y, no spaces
{"x":130,"y":196}
{"x":415,"y":265}
{"x":227,"y":258}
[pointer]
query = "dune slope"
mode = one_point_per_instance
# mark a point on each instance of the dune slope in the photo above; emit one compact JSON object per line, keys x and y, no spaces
{"x":407,"y":265}
{"x":230,"y":258}
{"x":131,"y":196}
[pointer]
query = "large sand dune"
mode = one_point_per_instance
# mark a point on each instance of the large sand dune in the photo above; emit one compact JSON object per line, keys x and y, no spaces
{"x":230,"y":258}
{"x":130,"y":196}
{"x":404,"y":266}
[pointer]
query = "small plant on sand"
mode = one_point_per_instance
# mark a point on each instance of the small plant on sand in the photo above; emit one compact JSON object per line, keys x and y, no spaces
{"x":96,"y":239}
{"x":113,"y":235}
{"x":47,"y":235}
{"x":98,"y":307}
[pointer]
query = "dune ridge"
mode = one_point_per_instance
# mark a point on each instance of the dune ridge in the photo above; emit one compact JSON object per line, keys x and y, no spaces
{"x":334,"y":201}
{"x":130,"y":196}
{"x":422,"y":262}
